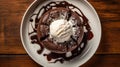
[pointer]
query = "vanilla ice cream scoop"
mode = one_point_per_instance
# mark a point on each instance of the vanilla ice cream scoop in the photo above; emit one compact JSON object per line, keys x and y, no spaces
{"x":61,"y":30}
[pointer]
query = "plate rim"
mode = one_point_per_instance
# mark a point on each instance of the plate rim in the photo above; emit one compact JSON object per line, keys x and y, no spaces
{"x":21,"y":30}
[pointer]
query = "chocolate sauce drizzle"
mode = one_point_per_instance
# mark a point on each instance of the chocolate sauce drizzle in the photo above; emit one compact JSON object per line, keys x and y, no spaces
{"x":62,"y":57}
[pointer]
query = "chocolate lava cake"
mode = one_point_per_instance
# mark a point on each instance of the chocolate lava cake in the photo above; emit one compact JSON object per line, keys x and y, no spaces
{"x":49,"y":41}
{"x":62,"y":28}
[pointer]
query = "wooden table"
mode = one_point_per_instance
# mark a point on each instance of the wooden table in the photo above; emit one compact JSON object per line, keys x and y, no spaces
{"x":12,"y":53}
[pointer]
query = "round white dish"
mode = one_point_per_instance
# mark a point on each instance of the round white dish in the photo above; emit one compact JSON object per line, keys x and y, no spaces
{"x":86,"y":54}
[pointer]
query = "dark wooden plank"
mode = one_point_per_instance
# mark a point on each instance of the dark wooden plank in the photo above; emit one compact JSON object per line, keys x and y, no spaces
{"x":109,"y":15}
{"x":17,"y":61}
{"x":11,"y":14}
{"x":1,"y":31}
{"x":103,"y":61}
{"x":26,"y":61}
{"x":10,"y":19}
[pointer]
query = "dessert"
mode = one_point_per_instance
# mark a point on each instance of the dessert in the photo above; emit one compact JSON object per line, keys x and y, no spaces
{"x":60,"y":29}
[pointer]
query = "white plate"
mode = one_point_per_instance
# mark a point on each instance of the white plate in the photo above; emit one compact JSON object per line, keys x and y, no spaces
{"x":87,"y":53}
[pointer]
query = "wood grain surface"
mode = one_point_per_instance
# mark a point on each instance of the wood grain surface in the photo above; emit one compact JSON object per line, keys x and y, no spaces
{"x":12,"y":53}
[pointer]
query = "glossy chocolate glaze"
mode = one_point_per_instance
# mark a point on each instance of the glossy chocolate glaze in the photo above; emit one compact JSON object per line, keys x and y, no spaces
{"x":34,"y":39}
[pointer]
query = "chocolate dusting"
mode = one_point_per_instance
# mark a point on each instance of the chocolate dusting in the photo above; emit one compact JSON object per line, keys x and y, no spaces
{"x":62,"y":57}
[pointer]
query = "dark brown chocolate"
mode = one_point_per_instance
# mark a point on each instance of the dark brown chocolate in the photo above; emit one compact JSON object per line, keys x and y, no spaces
{"x":41,"y":37}
{"x":43,"y":30}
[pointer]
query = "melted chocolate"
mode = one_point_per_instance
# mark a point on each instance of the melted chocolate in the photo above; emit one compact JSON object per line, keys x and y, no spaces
{"x":35,"y":40}
{"x":62,"y":57}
